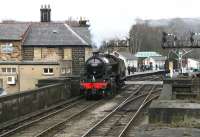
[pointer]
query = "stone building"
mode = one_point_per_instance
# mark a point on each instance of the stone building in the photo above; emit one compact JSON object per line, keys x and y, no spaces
{"x":33,"y":50}
{"x":128,"y":58}
{"x":157,"y":62}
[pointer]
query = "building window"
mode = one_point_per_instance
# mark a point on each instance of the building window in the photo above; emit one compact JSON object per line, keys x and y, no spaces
{"x":13,"y":70}
{"x":65,"y":71}
{"x":37,"y":53}
{"x":67,"y":54}
{"x":3,"y":70}
{"x":48,"y":71}
{"x":8,"y":70}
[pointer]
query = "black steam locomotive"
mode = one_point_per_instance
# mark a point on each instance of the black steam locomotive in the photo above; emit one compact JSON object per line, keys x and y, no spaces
{"x":104,"y":75}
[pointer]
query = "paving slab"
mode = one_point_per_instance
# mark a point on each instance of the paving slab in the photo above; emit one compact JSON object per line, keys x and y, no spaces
{"x":173,"y":111}
{"x":150,"y":130}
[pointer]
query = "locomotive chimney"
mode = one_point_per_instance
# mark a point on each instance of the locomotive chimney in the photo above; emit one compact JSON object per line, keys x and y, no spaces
{"x":45,"y":13}
{"x":95,"y":52}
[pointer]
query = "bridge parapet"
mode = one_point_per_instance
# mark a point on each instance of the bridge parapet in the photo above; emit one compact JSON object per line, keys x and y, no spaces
{"x":14,"y":107}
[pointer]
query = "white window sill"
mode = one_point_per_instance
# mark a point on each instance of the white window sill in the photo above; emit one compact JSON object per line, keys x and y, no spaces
{"x":48,"y":74}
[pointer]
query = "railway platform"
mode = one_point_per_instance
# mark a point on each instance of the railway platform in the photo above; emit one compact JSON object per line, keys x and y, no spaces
{"x":144,"y":82}
{"x":147,"y":77}
{"x":175,"y":113}
{"x":178,"y":104}
{"x":144,"y":73}
{"x":164,"y":131}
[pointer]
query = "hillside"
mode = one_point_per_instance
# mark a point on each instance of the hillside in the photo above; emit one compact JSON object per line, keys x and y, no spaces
{"x":146,"y":35}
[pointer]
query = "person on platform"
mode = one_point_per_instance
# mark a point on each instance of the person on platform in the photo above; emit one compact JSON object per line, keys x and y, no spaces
{"x":129,"y":70}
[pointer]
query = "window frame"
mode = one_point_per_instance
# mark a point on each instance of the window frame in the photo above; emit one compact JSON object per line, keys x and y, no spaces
{"x":11,"y":70}
{"x":48,"y":71}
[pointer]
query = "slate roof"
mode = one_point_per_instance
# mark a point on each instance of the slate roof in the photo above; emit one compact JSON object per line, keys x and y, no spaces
{"x":84,"y":32}
{"x":54,"y":34}
{"x":146,"y":54}
{"x":128,"y":55}
{"x":12,"y":31}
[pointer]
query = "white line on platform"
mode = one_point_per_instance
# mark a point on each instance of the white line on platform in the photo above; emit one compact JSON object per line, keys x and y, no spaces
{"x":144,"y":82}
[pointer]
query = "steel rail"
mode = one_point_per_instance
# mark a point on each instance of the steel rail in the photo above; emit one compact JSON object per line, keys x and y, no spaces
{"x":112,"y":112}
{"x":28,"y":124}
{"x":53,"y":127}
{"x":145,"y":102}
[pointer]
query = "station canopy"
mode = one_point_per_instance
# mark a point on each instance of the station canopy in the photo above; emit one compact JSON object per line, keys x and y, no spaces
{"x":146,"y":54}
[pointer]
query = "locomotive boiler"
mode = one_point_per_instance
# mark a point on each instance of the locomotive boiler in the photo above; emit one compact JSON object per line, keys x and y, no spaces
{"x":104,"y":75}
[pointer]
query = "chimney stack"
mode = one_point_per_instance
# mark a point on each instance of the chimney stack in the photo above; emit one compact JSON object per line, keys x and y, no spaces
{"x":83,"y":22}
{"x":45,"y":13}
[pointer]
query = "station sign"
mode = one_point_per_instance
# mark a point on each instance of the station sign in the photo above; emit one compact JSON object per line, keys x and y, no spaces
{"x":7,"y":48}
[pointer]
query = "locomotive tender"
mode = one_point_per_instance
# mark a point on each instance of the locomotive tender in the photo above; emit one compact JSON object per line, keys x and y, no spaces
{"x":104,"y":75}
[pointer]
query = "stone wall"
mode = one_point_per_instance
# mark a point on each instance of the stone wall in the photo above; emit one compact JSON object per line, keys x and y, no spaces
{"x":30,"y":74}
{"x":51,"y":54}
{"x":78,"y":60}
{"x":74,"y":83}
{"x":9,"y":88}
{"x":178,"y":103}
{"x":77,"y":56}
{"x":26,"y":76}
{"x":12,"y":107}
{"x":28,"y":53}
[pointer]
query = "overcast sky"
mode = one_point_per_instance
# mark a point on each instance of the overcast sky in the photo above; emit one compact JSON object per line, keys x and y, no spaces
{"x":108,"y":18}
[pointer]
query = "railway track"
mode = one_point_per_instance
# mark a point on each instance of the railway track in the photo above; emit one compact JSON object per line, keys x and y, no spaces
{"x":118,"y":121}
{"x":130,"y":125}
{"x":39,"y":124}
{"x":41,"y":117}
{"x":51,"y":122}
{"x":52,"y":130}
{"x":12,"y":127}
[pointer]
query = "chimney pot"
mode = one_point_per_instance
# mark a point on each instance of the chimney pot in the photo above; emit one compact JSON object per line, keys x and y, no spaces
{"x":45,"y":12}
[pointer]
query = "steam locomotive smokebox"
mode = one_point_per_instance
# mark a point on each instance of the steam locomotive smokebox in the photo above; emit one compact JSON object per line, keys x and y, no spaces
{"x":75,"y":85}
